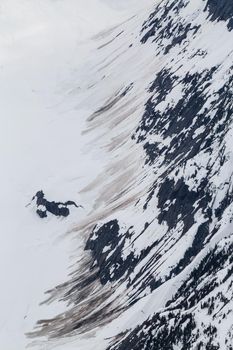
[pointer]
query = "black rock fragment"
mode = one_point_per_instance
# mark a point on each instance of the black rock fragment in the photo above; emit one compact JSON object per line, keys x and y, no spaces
{"x":56,"y":208}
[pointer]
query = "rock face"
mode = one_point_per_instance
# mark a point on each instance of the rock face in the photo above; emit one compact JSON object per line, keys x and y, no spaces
{"x":56,"y":208}
{"x":158,"y":249}
{"x":221,"y":11}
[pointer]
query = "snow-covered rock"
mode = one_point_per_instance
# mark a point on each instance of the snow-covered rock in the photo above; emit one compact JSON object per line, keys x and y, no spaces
{"x":135,"y":124}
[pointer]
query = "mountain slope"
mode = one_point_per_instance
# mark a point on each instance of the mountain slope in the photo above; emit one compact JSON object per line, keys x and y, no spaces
{"x":153,"y":264}
{"x":42,"y":44}
{"x":160,"y":236}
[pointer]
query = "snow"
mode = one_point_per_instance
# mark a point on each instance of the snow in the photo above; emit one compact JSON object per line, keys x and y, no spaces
{"x":42,"y":43}
{"x":61,"y":61}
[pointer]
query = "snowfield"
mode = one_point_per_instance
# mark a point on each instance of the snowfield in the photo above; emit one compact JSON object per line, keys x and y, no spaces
{"x":43,"y":43}
{"x":125,"y":108}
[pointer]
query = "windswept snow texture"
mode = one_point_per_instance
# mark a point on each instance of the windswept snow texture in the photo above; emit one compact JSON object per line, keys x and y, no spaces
{"x":152,"y":266}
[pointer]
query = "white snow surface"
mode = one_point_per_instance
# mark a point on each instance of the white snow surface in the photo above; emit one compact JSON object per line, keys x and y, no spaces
{"x":43,"y":44}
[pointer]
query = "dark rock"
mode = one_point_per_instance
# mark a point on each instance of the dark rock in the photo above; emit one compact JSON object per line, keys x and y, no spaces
{"x":42,"y":214}
{"x":221,"y":10}
{"x":55,"y":208}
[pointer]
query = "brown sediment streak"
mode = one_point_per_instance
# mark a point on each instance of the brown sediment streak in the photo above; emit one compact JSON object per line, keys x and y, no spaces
{"x":110,"y":41}
{"x":116,"y":114}
{"x":105,"y":33}
{"x":112,"y":60}
{"x":109,"y":104}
